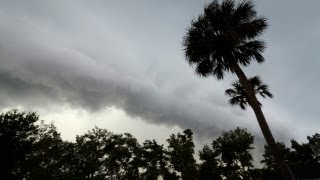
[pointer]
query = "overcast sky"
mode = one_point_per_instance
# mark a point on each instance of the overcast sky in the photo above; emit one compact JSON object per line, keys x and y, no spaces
{"x":120,"y":65}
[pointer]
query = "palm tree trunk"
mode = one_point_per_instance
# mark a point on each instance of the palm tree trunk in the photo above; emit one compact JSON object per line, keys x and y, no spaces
{"x":252,"y":99}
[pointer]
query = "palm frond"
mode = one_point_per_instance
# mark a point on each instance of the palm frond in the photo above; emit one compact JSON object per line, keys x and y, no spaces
{"x":255,"y":81}
{"x":264,"y":91}
{"x":243,"y":105}
{"x":224,"y":34}
{"x":204,"y":68}
{"x":238,"y":100}
{"x":252,"y":29}
{"x":218,"y":71}
{"x":227,"y":7}
{"x":251,"y":50}
{"x":244,"y":11}
{"x":238,"y":94}
{"x":230,"y":92}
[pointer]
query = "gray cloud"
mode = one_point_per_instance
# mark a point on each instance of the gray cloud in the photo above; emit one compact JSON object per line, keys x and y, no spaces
{"x":92,"y":55}
{"x":42,"y":67}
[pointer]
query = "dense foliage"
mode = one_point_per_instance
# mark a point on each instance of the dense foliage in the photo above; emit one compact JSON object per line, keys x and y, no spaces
{"x":31,"y":149}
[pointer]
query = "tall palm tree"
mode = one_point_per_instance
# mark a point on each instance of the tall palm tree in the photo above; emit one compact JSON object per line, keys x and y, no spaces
{"x":224,"y":39}
{"x":238,"y":96}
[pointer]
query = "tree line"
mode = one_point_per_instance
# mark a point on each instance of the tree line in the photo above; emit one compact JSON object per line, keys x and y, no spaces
{"x":32,"y":149}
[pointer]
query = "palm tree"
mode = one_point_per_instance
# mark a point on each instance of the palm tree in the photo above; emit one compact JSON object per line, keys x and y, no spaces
{"x":238,"y":96}
{"x":224,"y":39}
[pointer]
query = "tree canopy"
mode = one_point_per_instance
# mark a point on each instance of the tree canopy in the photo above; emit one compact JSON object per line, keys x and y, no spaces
{"x":32,"y":149}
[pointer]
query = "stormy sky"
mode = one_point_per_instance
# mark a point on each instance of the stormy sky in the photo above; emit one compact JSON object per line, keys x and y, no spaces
{"x":120,"y":65}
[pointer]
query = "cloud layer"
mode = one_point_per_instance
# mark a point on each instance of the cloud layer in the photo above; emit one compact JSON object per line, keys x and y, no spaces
{"x":129,"y":56}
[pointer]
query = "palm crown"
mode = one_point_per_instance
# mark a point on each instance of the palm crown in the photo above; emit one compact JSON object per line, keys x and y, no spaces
{"x":238,"y":96}
{"x":223,"y":39}
{"x":226,"y":33}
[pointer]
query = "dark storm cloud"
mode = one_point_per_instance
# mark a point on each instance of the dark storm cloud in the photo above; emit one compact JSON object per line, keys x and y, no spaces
{"x":45,"y":63}
{"x":44,"y":76}
{"x":129,"y":55}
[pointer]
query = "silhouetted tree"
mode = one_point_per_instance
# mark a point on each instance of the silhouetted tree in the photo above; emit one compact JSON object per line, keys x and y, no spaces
{"x":17,"y":134}
{"x":223,"y":39}
{"x":314,"y":144}
{"x":123,"y":153}
{"x":90,"y":153}
{"x":70,"y":161}
{"x":238,"y":96}
{"x":30,"y":151}
{"x":234,"y":153}
{"x":208,"y":168}
{"x":45,"y":160}
{"x":154,"y":160}
{"x":300,"y":155}
{"x":270,"y":167}
{"x":180,"y":151}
